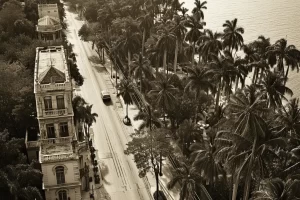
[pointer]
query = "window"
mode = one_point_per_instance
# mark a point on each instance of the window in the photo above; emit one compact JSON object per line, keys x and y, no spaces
{"x":60,"y":175}
{"x":62,"y":195}
{"x":48,"y":103}
{"x":63,"y":129}
{"x":50,"y":131}
{"x":60,"y":102}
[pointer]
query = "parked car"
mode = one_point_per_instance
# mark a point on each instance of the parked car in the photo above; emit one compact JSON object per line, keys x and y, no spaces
{"x":105,"y":95}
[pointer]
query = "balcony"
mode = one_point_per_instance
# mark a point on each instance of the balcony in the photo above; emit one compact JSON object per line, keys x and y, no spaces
{"x":31,"y":138}
{"x":58,"y":157}
{"x":64,"y":140}
{"x":52,"y":87}
{"x":56,"y":86}
{"x":55,"y":112}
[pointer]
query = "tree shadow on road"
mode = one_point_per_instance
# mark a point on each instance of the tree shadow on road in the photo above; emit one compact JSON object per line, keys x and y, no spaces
{"x":94,"y":59}
{"x":104,"y":172}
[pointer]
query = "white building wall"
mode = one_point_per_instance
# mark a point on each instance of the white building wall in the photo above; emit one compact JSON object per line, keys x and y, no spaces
{"x":71,"y":171}
{"x":72,"y":193}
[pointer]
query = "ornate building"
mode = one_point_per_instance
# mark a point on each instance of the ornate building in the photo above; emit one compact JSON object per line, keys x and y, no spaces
{"x":57,"y":147}
{"x":49,"y":27}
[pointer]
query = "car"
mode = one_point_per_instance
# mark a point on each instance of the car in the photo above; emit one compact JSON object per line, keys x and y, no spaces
{"x":105,"y":95}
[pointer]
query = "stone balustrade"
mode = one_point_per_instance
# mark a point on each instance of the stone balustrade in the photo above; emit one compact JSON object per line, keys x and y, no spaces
{"x":55,"y":112}
{"x":56,"y":140}
{"x":32,"y":144}
{"x":58,"y":157}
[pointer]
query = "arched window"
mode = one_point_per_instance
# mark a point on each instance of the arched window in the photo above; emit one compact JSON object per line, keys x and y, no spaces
{"x":60,"y":174}
{"x":62,"y":195}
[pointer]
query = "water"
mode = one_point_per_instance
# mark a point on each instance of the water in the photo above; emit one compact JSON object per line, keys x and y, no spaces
{"x":275,"y":19}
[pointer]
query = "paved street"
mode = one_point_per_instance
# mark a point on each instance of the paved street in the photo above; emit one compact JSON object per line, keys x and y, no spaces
{"x":119,"y":171}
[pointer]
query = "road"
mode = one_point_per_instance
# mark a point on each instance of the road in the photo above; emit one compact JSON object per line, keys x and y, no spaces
{"x":110,"y":135}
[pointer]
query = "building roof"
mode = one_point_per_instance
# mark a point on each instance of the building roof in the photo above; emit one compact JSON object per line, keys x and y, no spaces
{"x":51,"y":65}
{"x":48,"y":20}
{"x":48,"y":9}
{"x":48,"y":24}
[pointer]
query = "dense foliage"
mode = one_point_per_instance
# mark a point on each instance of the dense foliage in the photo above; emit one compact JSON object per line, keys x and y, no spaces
{"x":240,"y":137}
{"x":18,"y":42}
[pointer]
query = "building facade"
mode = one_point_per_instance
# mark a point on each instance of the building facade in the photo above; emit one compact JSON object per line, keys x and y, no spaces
{"x":57,"y":146}
{"x":49,"y":27}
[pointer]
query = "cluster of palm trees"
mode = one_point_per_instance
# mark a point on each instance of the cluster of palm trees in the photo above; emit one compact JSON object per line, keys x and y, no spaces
{"x":83,"y":115}
{"x":252,"y":142}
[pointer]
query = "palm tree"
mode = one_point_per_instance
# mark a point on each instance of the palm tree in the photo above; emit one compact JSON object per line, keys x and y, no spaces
{"x":187,"y":176}
{"x":240,"y":65}
{"x":146,"y":23}
{"x":277,"y":189}
{"x":140,"y":67}
{"x":148,"y":121}
{"x":187,"y":133}
{"x":194,"y":33}
{"x":223,"y":72}
{"x":126,"y":89}
{"x":205,"y":160}
{"x":163,"y":91}
{"x":288,"y":118}
{"x":179,"y":31}
{"x":89,"y":119}
{"x":78,"y":104}
{"x":233,"y":38}
{"x":273,"y":86}
{"x":246,"y":107}
{"x":198,"y":80}
{"x":183,"y":11}
{"x":129,"y":40}
{"x":176,"y":6}
{"x":165,"y":44}
{"x":285,"y":53}
{"x":198,"y":10}
{"x":210,"y":43}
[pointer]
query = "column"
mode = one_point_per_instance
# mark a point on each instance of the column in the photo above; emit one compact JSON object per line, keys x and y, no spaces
{"x":56,"y":127}
{"x":54,"y":103}
{"x":70,"y":129}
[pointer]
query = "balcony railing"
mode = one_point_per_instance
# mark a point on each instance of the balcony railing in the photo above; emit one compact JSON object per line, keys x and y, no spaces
{"x":32,"y":144}
{"x":56,"y":140}
{"x":54,"y":113}
{"x":58,"y":157}
{"x":56,"y":86}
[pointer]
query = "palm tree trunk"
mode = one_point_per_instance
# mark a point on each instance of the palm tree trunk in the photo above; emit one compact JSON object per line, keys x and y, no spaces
{"x":286,"y":74}
{"x":160,"y":164}
{"x":129,"y":62}
{"x":236,"y":83}
{"x":157,"y":182}
{"x":126,"y":110}
{"x":140,"y":84}
{"x":143,"y":42}
{"x":193,"y":54}
{"x":261,"y":76}
{"x":254,"y":74}
{"x":165,"y":61}
{"x":249,"y":171}
{"x":205,"y":192}
{"x":236,"y":181}
{"x":218,"y":94}
{"x":103,"y":53}
{"x":176,"y":54}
